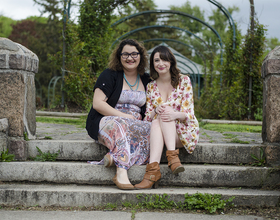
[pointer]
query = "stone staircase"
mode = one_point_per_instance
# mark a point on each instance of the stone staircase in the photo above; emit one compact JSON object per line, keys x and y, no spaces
{"x":213,"y":168}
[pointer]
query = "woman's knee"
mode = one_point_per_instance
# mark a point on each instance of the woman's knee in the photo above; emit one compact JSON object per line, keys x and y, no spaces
{"x":155,"y":123}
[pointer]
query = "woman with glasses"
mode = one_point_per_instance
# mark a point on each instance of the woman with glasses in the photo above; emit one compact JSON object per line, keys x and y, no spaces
{"x":170,"y":109}
{"x":116,"y":117}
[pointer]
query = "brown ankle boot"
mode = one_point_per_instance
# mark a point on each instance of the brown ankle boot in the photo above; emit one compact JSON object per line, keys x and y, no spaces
{"x":151,"y":177}
{"x":174,"y":161}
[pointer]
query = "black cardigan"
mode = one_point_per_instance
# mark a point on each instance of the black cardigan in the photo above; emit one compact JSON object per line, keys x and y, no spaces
{"x":111,"y":83}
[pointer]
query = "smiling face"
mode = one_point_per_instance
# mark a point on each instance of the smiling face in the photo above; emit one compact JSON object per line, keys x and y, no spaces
{"x":161,"y":66}
{"x":130,"y":63}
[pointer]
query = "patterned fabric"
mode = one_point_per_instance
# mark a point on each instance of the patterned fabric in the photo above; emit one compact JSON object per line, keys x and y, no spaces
{"x":127,"y":139}
{"x":181,"y":100}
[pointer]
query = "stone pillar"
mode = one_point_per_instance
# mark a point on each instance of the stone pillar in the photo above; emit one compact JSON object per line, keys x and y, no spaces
{"x":271,"y":106}
{"x":18,"y":66}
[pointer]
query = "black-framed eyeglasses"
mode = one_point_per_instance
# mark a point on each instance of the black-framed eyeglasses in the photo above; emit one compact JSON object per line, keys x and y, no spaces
{"x":126,"y":55}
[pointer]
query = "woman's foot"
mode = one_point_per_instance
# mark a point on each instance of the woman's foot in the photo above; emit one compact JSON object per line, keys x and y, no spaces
{"x":151,"y":177}
{"x":121,"y":185}
{"x":108,"y":161}
{"x":174,"y":161}
{"x":121,"y":179}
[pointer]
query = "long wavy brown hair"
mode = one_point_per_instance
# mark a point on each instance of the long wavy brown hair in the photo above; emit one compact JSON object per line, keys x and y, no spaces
{"x":115,"y":57}
{"x":165,"y":54}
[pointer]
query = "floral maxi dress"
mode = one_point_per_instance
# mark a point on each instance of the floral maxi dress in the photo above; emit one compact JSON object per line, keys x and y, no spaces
{"x":127,"y":139}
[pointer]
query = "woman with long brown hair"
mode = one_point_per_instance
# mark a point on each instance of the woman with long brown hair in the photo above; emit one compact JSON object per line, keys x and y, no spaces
{"x":170,"y":109}
{"x":116,"y":117}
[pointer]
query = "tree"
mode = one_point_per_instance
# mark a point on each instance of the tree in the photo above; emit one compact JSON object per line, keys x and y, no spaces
{"x":272,"y":43}
{"x":6,"y":26}
{"x":134,"y":7}
{"x":95,"y":31}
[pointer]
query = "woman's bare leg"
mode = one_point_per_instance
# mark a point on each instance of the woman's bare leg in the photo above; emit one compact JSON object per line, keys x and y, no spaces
{"x":169,"y":134}
{"x":156,"y":142}
{"x":122,"y":176}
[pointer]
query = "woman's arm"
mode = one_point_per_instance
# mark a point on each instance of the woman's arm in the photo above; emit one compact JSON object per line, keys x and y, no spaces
{"x":150,"y":113}
{"x":187,"y":105}
{"x":100,"y":105}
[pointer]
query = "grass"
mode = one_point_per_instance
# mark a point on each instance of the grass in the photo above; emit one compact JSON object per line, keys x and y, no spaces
{"x":229,"y":136}
{"x":231,"y":128}
{"x":80,"y":122}
{"x":236,"y":140}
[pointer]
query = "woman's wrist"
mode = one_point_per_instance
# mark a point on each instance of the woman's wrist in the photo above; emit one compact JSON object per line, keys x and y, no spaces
{"x":155,"y":110}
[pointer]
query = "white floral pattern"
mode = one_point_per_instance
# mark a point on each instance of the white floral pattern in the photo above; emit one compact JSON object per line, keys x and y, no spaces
{"x":181,"y":100}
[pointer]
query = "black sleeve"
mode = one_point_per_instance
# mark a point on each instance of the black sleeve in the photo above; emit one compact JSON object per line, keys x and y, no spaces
{"x":106,"y":82}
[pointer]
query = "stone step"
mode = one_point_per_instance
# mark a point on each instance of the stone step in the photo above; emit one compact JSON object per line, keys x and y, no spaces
{"x":45,"y":195}
{"x":210,"y":153}
{"x":194,"y":175}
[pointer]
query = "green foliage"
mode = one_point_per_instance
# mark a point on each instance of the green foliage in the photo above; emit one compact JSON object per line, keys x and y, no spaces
{"x":45,"y":156}
{"x":258,"y":114}
{"x":209,"y":202}
{"x":6,"y":157}
{"x":259,"y":161}
{"x":156,"y":202}
{"x":136,"y":6}
{"x":231,"y":128}
{"x":78,"y":81}
{"x":271,"y":43}
{"x":25,"y":136}
{"x":110,"y":206}
{"x":227,"y":96}
{"x":95,"y":31}
{"x":236,"y":140}
{"x":80,"y":122}
{"x":6,"y":26}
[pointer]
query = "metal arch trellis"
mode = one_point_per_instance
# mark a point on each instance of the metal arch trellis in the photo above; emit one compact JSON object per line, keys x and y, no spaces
{"x":159,"y":26}
{"x":51,"y":86}
{"x":39,"y":91}
{"x":170,"y":12}
{"x":228,"y":15}
{"x":220,"y":6}
{"x":166,"y":26}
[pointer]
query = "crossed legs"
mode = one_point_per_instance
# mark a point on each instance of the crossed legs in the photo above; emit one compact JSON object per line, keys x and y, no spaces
{"x":162,"y":133}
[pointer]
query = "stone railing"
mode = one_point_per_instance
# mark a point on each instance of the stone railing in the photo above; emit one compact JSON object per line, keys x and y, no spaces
{"x":271,"y":106}
{"x":18,"y":66}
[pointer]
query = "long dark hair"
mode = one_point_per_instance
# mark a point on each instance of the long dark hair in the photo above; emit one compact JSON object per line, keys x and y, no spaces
{"x":115,"y":57}
{"x":165,"y":54}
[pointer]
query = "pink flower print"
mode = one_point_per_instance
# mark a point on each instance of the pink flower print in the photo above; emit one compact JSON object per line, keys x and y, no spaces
{"x":175,"y":95}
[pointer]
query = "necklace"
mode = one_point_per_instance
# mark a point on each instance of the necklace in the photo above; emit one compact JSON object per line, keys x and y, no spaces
{"x":136,"y":82}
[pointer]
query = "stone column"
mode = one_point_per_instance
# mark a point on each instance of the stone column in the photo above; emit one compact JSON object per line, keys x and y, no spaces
{"x":18,"y":66}
{"x":271,"y":106}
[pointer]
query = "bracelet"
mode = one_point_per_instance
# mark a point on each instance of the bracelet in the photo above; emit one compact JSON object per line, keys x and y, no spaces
{"x":155,"y":110}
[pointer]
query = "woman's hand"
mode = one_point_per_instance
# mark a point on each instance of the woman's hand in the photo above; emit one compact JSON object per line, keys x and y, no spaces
{"x":128,"y":116}
{"x":166,"y":113}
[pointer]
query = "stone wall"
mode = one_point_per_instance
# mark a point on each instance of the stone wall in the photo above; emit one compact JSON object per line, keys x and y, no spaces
{"x":18,"y":66}
{"x":271,"y":106}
